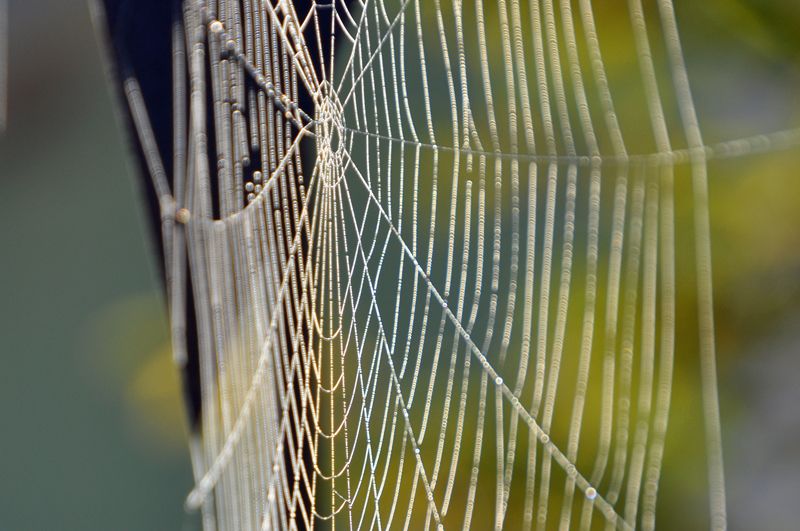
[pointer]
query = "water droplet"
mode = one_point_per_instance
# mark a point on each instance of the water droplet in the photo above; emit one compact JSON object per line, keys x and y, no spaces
{"x":182,"y":216}
{"x":591,"y":493}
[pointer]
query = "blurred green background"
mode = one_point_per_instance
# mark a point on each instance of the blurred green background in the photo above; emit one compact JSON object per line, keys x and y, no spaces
{"x":91,"y":427}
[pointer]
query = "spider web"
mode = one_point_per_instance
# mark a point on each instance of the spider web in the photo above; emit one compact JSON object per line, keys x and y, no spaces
{"x":460,"y":312}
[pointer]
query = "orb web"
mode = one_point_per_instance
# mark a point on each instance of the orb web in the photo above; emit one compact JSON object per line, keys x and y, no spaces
{"x":441,"y":291}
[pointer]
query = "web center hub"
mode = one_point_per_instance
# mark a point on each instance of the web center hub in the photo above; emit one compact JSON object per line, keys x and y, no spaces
{"x":330,"y":133}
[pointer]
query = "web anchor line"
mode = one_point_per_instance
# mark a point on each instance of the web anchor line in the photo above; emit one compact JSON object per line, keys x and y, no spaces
{"x":728,"y":149}
{"x":289,"y":108}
